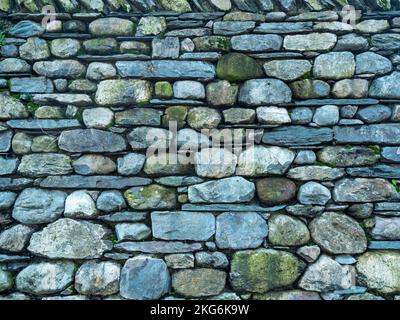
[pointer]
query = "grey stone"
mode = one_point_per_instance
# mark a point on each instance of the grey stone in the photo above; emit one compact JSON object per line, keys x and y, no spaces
{"x":123,"y":92}
{"x":179,"y":181}
{"x":45,"y":277}
{"x":333,"y":277}
{"x":26,"y":29}
{"x":386,"y":41}
{"x":65,"y":48}
{"x":189,"y":90}
{"x":326,"y":116}
{"x":132,"y":231}
{"x":305,"y":157}
{"x":309,"y":253}
{"x":144,"y":278}
{"x":183,"y":225}
{"x":231,"y":207}
{"x":273,"y":115}
{"x":391,"y":154}
{"x":7,"y":199}
{"x":350,"y":88}
{"x":380,"y":271}
{"x":372,"y":26}
{"x":79,"y":204}
{"x":131,"y":164}
{"x":8,"y":165}
{"x":69,"y":69}
{"x":139,"y":116}
{"x":370,"y":62}
{"x":100,"y":118}
{"x":151,"y":26}
{"x":297,"y":136}
{"x":91,"y":140}
{"x":284,"y":27}
{"x":166,"y":69}
{"x":6,"y":280}
{"x":228,"y":190}
{"x":308,"y":89}
{"x":211,"y":259}
{"x":233,"y":230}
{"x":203,"y":118}
{"x":124,"y":216}
{"x":11,"y":108}
{"x":287,"y":70}
{"x":92,"y":182}
{"x":386,"y":229}
{"x":158,"y":247}
{"x":180,"y":260}
{"x":378,"y":133}
{"x":239,"y":115}
{"x":215,"y":163}
{"x":230,"y":28}
{"x":310,"y":42}
{"x":40,"y":165}
{"x":374,"y":114}
{"x":98,"y":278}
{"x":302,"y":115}
{"x":287,"y":231}
{"x":361,"y":211}
{"x":111,"y":27}
{"x":160,"y":164}
{"x":337,"y":233}
{"x":313,"y":193}
{"x":9,"y":51}
{"x":257,"y":43}
{"x":36,"y":206}
{"x":222,"y":93}
{"x":31,"y":85}
{"x":292,"y":295}
{"x":364,"y":190}
{"x":90,"y":164}
{"x":318,"y":173}
{"x":386,"y":87}
{"x":100,"y":71}
{"x":376,"y":171}
{"x":384,"y":245}
{"x":351,"y":42}
{"x":63,"y":99}
{"x":34,"y":49}
{"x":260,"y":160}
{"x":15,"y":238}
{"x":338,"y":156}
{"x":166,"y":48}
{"x":63,"y":240}
{"x":145,"y":137}
{"x":334,"y":65}
{"x":110,"y":201}
{"x":264,"y":91}
{"x":14,"y":65}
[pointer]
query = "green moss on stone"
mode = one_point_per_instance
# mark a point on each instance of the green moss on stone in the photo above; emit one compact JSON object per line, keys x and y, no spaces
{"x":236,"y":67}
{"x":163,"y":89}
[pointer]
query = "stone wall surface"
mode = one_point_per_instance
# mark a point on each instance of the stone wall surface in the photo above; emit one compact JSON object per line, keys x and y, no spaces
{"x":311,"y":210}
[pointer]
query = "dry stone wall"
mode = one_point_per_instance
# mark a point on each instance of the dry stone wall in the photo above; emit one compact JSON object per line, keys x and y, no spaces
{"x":304,"y":206}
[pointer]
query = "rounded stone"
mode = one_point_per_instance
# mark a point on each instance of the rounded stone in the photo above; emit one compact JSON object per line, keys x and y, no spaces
{"x":222,"y":93}
{"x":337,"y":233}
{"x":80,"y":204}
{"x":313,"y":193}
{"x":334,"y":65}
{"x":110,"y":201}
{"x":98,"y":278}
{"x":189,"y":90}
{"x":100,"y":118}
{"x":144,"y":278}
{"x":215,"y":163}
{"x":287,"y":70}
{"x":326,"y":115}
{"x":237,"y":67}
{"x":275,"y":190}
{"x":151,"y":197}
{"x":91,"y":164}
{"x":203,"y":118}
{"x":6,"y":280}
{"x":65,"y":48}
{"x":287,"y":231}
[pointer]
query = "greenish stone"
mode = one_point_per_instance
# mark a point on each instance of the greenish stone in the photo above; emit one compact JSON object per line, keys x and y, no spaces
{"x":287,"y":231}
{"x":101,"y":46}
{"x":44,"y":144}
{"x":4,"y":5}
{"x":262,"y":270}
{"x":163,"y":89}
{"x":11,"y":108}
{"x":309,"y":89}
{"x":212,"y":43}
{"x":236,"y":67}
{"x":160,"y":165}
{"x":21,"y":143}
{"x":177,"y":114}
{"x":82,"y":85}
{"x":136,"y":47}
{"x":151,"y":26}
{"x":151,"y":197}
{"x":30,"y":5}
{"x":50,"y":112}
{"x":6,"y":280}
{"x":338,"y":156}
{"x":203,"y":118}
{"x":176,"y":5}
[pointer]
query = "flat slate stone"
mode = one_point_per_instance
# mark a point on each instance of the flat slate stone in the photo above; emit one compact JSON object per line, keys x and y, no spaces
{"x":158,"y":247}
{"x":376,"y":171}
{"x":44,"y":124}
{"x":387,"y":206}
{"x":166,"y":69}
{"x":338,"y":102}
{"x":92,"y":182}
{"x":7,"y":184}
{"x":384,"y":245}
{"x":63,"y":99}
{"x":5,"y":140}
{"x":386,"y":134}
{"x":284,"y":27}
{"x":31,"y":85}
{"x":231,"y":207}
{"x":298,"y":136}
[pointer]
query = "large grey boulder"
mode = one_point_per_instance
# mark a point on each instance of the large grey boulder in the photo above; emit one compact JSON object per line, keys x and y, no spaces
{"x":337,"y":233}
{"x":37,"y":206}
{"x":228,"y":190}
{"x":64,"y":239}
{"x":144,"y":278}
{"x":240,"y":230}
{"x":45,"y":277}
{"x":264,"y":91}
